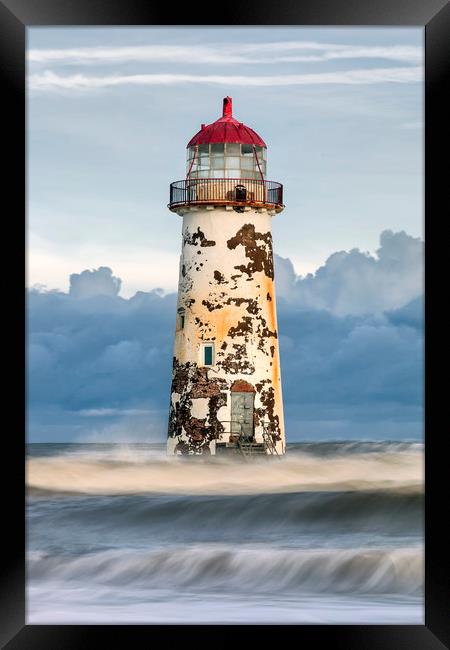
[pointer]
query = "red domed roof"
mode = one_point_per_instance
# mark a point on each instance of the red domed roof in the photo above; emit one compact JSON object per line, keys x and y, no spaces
{"x":226,"y":129}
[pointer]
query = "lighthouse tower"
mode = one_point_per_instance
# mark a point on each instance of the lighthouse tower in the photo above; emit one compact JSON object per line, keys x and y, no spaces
{"x":226,"y":382}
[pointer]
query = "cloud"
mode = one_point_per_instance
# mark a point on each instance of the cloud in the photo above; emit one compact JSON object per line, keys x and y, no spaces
{"x":95,"y":413}
{"x":99,"y":365}
{"x":99,"y":282}
{"x":49,"y":80}
{"x":97,"y":358}
{"x":346,"y":377}
{"x":411,"y":314}
{"x":224,"y":54}
{"x":357,"y":283}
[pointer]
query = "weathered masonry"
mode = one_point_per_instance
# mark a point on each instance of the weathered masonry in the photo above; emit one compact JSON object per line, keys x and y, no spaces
{"x":226,"y":384}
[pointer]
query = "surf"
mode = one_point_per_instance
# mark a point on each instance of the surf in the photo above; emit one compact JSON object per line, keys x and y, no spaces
{"x":130,"y":471}
{"x":260,"y":570}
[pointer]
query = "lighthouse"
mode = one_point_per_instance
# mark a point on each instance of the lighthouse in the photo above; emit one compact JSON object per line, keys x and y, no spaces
{"x":226,"y":381}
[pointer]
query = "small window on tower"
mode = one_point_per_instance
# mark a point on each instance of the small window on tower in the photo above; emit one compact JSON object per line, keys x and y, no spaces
{"x":247,"y":150}
{"x":181,"y":318}
{"x":208,"y":354}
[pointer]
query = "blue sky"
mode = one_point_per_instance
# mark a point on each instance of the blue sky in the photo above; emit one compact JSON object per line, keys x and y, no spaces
{"x":101,"y":157}
{"x":109,"y":114}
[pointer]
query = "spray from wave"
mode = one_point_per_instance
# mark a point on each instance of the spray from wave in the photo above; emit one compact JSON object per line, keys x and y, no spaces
{"x":126,"y":470}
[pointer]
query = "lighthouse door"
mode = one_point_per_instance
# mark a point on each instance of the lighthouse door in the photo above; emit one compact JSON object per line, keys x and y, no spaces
{"x":242,"y":413}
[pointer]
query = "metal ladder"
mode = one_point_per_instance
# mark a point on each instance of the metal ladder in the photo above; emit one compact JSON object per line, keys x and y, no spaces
{"x":268,"y":441}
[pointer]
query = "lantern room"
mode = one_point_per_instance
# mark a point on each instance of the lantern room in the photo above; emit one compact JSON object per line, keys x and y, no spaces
{"x":226,"y":160}
{"x":226,"y":164}
{"x":226,"y":149}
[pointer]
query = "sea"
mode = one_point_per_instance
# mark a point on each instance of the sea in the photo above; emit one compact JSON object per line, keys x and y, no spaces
{"x":331,"y":533}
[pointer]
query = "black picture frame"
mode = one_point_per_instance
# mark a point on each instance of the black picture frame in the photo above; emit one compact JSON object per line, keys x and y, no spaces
{"x":434,"y":16}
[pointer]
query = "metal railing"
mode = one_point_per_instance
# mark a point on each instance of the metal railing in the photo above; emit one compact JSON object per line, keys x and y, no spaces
{"x":236,"y":431}
{"x":246,"y":442}
{"x":227,"y":191}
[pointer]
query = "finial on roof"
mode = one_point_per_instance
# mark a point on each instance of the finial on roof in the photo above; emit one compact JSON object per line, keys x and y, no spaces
{"x":227,"y":107}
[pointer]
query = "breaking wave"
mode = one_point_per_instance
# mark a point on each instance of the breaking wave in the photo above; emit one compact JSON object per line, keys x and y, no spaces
{"x":389,"y":511}
{"x":372,"y":571}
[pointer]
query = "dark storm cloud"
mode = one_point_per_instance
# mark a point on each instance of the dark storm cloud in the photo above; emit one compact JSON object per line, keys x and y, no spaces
{"x":99,"y":365}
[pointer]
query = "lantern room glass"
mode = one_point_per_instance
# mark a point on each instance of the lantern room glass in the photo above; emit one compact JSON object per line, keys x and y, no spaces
{"x":226,"y":160}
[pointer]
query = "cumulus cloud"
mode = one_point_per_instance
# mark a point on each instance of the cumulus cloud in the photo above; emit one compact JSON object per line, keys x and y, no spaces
{"x":356,"y":282}
{"x":351,"y":343}
{"x":98,"y":282}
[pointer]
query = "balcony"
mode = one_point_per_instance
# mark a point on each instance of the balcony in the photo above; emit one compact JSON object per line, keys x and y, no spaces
{"x":237,"y":192}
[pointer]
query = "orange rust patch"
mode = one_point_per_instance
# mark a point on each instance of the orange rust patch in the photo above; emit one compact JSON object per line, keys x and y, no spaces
{"x":219,"y":321}
{"x":268,"y":289}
